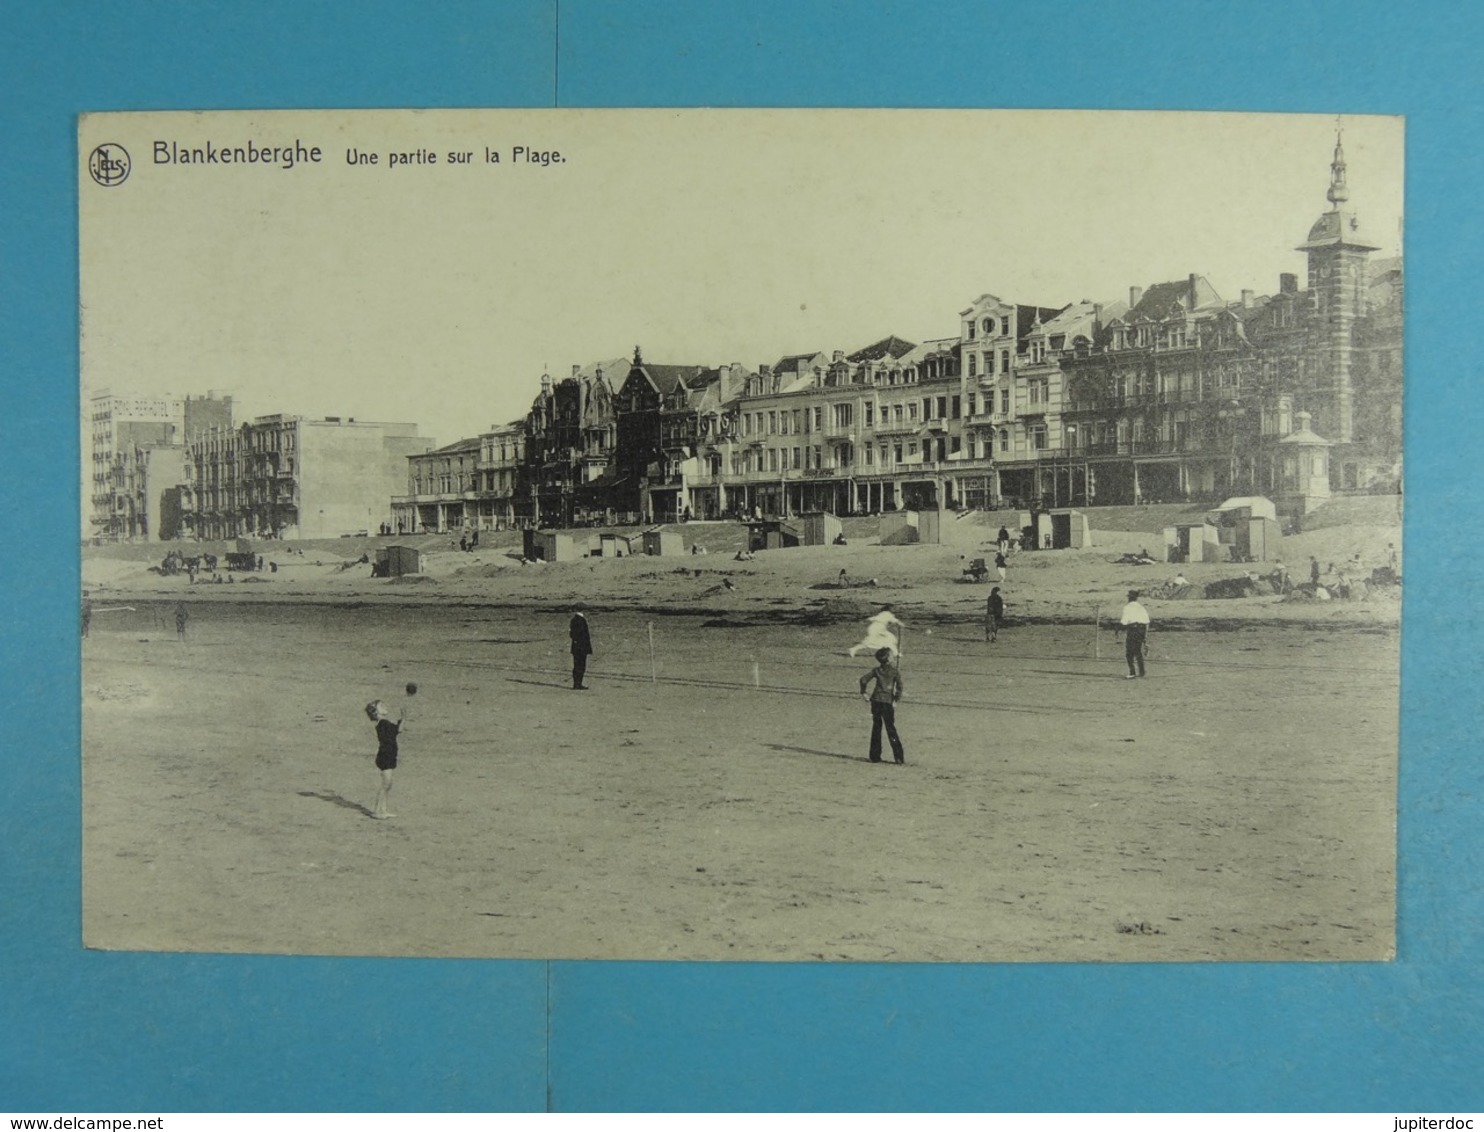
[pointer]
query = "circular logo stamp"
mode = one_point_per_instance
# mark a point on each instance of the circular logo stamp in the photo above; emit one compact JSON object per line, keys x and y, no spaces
{"x":109,"y":164}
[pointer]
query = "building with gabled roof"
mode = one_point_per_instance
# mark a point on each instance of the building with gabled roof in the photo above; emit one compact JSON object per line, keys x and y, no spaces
{"x":571,"y":437}
{"x":663,"y":411}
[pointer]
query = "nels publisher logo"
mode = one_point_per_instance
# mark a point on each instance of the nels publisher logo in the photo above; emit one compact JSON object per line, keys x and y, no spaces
{"x":109,"y":164}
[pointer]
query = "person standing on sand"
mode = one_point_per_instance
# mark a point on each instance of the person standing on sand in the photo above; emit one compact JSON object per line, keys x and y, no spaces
{"x":1003,"y":541}
{"x":880,"y":634}
{"x":1135,"y":622}
{"x":1313,"y":570}
{"x":182,"y":615}
{"x":1000,"y":563}
{"x":386,"y":754}
{"x":883,"y":699}
{"x":582,"y":647}
{"x":994,"y":614}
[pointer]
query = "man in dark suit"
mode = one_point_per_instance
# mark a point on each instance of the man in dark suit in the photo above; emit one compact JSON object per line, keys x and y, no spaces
{"x":994,"y":614}
{"x":582,"y":647}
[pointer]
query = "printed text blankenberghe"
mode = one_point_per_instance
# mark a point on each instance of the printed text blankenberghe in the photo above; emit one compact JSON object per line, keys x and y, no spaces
{"x":249,"y":153}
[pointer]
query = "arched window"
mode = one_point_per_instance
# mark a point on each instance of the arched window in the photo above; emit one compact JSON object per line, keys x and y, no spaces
{"x":1004,"y":440}
{"x":988,"y":327}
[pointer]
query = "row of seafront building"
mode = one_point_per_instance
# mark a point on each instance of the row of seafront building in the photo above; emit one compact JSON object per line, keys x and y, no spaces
{"x":168,"y":467}
{"x":1173,"y":393}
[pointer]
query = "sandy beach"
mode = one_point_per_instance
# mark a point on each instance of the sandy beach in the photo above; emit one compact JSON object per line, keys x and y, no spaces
{"x":711,"y":799}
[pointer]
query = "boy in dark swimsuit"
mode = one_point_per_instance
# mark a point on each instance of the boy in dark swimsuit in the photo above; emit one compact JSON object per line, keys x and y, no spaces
{"x":386,"y":753}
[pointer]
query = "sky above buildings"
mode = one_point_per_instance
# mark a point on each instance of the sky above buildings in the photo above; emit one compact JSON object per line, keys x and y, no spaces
{"x":440,"y":292}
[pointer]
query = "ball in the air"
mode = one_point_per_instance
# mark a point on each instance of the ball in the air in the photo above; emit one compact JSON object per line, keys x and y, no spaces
{"x":411,"y":689}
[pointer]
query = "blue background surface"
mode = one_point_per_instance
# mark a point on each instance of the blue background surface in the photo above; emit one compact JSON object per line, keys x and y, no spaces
{"x":87,"y":1031}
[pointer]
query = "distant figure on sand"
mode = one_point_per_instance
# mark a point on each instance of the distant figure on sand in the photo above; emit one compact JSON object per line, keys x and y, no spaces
{"x":1135,"y":622}
{"x":182,"y":615}
{"x":386,"y":754}
{"x":994,"y":614}
{"x":883,"y":699}
{"x":582,"y":647}
{"x":880,"y":634}
{"x":1000,"y":563}
{"x":1003,"y":541}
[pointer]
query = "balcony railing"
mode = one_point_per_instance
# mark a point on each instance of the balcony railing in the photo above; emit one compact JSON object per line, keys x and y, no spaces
{"x":1147,"y":447}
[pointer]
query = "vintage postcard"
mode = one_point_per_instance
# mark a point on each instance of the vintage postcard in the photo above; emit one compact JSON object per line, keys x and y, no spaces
{"x":921,"y":536}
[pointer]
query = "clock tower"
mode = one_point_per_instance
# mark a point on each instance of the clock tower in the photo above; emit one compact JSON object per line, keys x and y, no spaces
{"x":1338,"y":285}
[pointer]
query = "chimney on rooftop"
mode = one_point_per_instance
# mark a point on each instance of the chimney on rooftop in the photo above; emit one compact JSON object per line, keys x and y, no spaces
{"x":576,"y":369}
{"x":1246,"y":299}
{"x":1134,"y":295}
{"x":1192,"y":291}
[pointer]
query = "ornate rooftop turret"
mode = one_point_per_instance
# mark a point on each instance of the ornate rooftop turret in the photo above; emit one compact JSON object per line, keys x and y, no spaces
{"x":1338,"y":227}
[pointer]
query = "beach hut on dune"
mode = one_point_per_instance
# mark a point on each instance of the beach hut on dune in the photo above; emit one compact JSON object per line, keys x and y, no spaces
{"x":1248,"y":525}
{"x":395,"y":561}
{"x":553,"y":546}
{"x":902,"y":528}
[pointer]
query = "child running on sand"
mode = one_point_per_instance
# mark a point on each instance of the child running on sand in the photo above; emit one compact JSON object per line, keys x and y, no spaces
{"x":386,"y":753}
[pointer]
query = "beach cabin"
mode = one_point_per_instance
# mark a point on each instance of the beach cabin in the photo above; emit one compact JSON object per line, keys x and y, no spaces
{"x":819,"y":528}
{"x":1194,"y":542}
{"x":902,"y":528}
{"x":1248,"y":525}
{"x":897,"y":528}
{"x":396,"y":560}
{"x":1062,"y":529}
{"x":553,"y":546}
{"x":609,"y":545}
{"x":772,"y":534}
{"x":663,"y":544}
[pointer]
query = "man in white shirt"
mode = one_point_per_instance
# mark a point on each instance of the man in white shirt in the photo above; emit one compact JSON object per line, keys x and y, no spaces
{"x":1135,"y":622}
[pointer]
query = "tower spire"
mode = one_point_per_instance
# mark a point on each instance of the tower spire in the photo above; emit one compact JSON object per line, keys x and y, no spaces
{"x":1338,"y":192}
